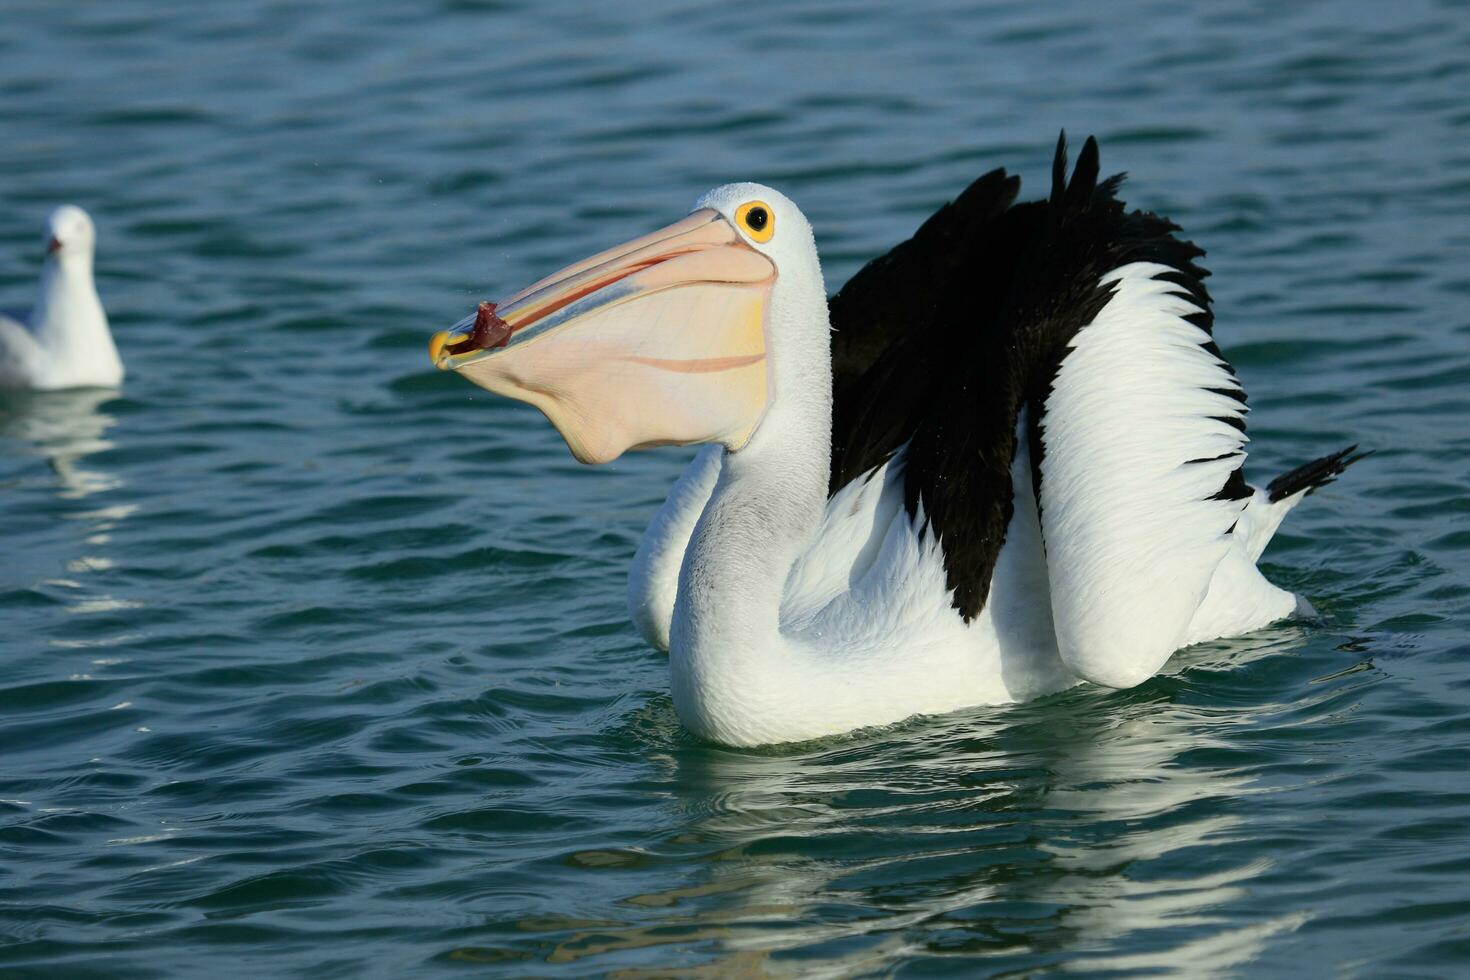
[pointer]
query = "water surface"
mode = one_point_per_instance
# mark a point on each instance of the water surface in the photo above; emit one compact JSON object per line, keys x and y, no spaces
{"x":315,"y":661}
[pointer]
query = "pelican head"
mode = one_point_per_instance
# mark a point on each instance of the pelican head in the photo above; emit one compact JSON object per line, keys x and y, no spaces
{"x":661,"y":340}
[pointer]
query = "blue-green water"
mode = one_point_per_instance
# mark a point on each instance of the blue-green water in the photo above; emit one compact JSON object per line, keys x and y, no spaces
{"x":314,"y":661}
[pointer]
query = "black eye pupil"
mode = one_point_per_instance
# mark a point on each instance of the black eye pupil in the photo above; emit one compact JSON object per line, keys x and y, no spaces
{"x":757,"y":218}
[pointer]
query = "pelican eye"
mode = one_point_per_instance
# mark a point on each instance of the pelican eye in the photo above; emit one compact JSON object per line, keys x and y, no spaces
{"x":756,"y":218}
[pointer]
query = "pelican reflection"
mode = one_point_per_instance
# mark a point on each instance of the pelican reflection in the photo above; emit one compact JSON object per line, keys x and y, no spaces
{"x":1054,"y":832}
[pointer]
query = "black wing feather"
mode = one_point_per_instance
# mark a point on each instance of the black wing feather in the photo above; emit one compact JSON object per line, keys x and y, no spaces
{"x":943,"y":341}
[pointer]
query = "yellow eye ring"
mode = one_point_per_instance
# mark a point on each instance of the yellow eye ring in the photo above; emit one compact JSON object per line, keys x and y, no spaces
{"x":757,"y":220}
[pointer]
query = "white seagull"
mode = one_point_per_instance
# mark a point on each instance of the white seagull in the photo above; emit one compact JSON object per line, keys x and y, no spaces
{"x":64,"y":342}
{"x":1005,"y":459}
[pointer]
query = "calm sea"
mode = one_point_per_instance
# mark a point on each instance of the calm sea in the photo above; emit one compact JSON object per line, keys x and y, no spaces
{"x":314,"y":662}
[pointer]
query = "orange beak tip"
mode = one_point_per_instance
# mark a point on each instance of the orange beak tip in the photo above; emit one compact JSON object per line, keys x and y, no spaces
{"x":438,"y":342}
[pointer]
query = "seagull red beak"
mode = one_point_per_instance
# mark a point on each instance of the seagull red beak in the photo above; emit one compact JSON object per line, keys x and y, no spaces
{"x":53,"y":246}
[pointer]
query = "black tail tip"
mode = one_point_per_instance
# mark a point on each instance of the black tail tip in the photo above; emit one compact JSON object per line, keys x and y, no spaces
{"x":1317,"y":473}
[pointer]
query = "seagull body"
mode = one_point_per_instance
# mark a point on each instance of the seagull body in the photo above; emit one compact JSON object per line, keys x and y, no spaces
{"x":1005,"y":459}
{"x":64,"y":342}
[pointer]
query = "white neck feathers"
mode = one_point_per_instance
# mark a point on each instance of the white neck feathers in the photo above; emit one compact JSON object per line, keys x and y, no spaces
{"x":728,"y":655}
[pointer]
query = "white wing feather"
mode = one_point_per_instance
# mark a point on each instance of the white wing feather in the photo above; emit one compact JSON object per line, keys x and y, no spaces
{"x":21,"y":359}
{"x":1133,"y":534}
{"x":653,"y":581}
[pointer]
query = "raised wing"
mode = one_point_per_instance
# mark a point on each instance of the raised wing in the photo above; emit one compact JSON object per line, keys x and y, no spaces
{"x":991,"y":307}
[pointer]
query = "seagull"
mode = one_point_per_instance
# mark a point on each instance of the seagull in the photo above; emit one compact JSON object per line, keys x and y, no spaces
{"x":64,"y":342}
{"x":1006,"y":458}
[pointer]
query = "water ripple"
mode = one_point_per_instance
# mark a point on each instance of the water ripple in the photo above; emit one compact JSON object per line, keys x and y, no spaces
{"x":316,"y":659}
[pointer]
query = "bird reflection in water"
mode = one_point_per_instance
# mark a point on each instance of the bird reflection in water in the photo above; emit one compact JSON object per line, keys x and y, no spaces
{"x":1064,"y":834}
{"x":64,"y":428}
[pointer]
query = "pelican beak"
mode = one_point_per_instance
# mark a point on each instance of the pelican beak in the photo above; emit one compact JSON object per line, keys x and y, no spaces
{"x":657,"y":341}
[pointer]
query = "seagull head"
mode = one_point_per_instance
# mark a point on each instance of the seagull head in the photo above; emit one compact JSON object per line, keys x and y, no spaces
{"x":70,"y":233}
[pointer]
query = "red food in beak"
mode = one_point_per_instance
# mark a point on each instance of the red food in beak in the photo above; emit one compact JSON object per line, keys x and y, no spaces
{"x":490,"y":332}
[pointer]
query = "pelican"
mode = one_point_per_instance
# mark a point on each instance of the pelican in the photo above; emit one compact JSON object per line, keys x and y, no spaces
{"x":1004,"y":459}
{"x":64,"y":341}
